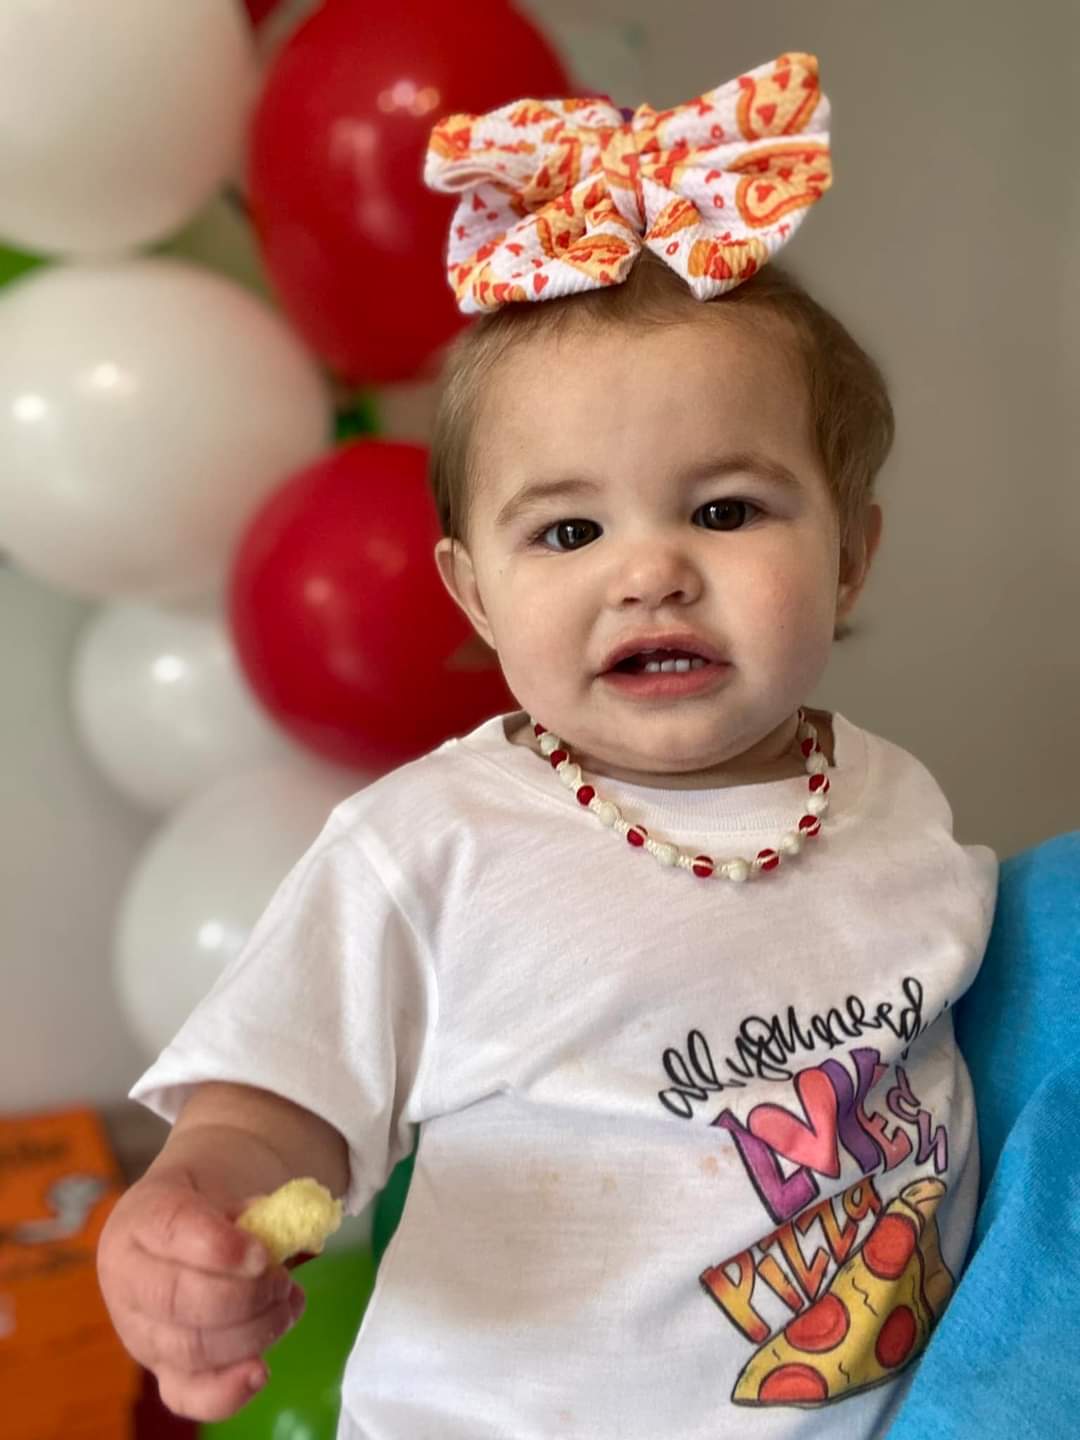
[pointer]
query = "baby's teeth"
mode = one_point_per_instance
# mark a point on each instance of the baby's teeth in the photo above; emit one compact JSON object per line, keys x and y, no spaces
{"x":660,"y":667}
{"x":668,"y":667}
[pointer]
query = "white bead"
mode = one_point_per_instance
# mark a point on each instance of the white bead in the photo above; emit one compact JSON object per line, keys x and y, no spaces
{"x":818,"y":804}
{"x":806,"y":731}
{"x":737,"y":870}
{"x":817,"y":764}
{"x":790,"y":844}
{"x":548,"y":743}
{"x":621,"y":826}
{"x":569,"y":774}
{"x":605,"y":811}
{"x":665,"y":853}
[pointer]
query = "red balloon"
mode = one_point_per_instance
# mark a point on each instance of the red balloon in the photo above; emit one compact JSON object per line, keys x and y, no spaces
{"x":341,"y":622}
{"x":353,"y":241}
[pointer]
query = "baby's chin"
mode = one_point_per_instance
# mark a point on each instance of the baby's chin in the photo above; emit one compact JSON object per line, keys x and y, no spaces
{"x":682,"y":753}
{"x":648,"y":766}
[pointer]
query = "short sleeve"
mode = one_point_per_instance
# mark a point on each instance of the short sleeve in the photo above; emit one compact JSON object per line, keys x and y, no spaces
{"x":329,"y":1005}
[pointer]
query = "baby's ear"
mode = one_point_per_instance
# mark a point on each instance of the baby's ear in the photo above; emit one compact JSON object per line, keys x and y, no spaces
{"x":856,"y":559}
{"x":459,"y":576}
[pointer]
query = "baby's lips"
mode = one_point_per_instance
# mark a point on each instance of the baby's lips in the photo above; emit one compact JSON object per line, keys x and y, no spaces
{"x":300,"y":1258}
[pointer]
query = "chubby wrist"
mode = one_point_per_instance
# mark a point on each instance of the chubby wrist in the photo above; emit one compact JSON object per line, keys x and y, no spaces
{"x":233,"y":1142}
{"x":226,"y":1164}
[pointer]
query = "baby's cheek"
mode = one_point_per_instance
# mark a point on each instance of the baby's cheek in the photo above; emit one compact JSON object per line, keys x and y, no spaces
{"x":798,"y":622}
{"x":529,"y":653}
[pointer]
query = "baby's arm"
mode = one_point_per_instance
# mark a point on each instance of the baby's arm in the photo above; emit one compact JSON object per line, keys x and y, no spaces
{"x":194,"y":1298}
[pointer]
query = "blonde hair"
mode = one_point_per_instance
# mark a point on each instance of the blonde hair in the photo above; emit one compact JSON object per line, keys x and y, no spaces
{"x":849,"y":402}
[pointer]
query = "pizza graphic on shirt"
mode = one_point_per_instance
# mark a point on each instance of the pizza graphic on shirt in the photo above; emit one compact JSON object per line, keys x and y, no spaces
{"x":872,"y":1321}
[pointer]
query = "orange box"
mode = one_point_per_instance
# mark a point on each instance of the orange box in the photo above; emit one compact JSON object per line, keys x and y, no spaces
{"x":63,"y":1372}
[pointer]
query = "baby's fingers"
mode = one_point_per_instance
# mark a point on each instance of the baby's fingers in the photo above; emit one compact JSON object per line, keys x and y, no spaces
{"x":195,"y":1350}
{"x":213,"y":1395}
{"x":180,"y":1225}
{"x":179,"y":1295}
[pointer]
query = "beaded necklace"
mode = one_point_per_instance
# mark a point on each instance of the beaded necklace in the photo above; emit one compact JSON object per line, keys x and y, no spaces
{"x":667,"y":854}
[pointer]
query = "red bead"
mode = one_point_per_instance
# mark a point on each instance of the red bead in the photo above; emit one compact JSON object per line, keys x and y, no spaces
{"x":585,"y":793}
{"x":819,"y":782}
{"x":702,"y":865}
{"x":769,"y":859}
{"x":810,"y":825}
{"x":808,"y":747}
{"x":539,"y":730}
{"x":636,"y":835}
{"x":557,"y":757}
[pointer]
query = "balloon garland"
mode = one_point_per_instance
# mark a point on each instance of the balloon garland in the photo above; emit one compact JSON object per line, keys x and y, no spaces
{"x":215,"y":246}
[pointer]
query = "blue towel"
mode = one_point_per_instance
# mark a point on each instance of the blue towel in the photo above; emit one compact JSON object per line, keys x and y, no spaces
{"x":1004,"y":1363}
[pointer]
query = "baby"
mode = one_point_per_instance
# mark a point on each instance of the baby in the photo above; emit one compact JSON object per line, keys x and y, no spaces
{"x":660,"y":965}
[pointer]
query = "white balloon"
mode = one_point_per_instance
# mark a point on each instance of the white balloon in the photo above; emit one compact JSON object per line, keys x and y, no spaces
{"x":147,"y":407}
{"x":204,"y":879}
{"x":118,"y":118}
{"x":162,"y":705}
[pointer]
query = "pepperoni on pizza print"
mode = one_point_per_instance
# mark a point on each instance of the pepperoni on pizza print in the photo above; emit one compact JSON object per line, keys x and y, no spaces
{"x":873,"y":1320}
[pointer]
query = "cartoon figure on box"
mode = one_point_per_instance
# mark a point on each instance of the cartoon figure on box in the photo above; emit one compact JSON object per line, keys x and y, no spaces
{"x":71,"y":1200}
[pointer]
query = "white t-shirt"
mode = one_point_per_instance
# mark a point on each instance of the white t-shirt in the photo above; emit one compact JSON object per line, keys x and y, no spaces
{"x":659,"y":1115}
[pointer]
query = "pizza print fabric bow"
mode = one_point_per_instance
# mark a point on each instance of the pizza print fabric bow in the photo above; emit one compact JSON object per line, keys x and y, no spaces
{"x":559,"y":196}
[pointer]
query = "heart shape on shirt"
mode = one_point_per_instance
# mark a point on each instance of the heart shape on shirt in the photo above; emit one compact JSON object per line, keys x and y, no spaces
{"x":812,"y":1143}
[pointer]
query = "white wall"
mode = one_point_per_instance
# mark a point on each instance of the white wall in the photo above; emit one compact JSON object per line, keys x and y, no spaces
{"x":948,"y":244}
{"x":67,"y":843}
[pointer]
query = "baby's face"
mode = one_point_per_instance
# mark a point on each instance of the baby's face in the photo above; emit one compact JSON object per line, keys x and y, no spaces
{"x":655,"y":488}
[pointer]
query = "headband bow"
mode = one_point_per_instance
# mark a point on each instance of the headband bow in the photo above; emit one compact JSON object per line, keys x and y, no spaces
{"x":559,"y":196}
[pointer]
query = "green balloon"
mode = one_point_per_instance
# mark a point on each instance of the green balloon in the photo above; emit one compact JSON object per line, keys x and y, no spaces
{"x":303,"y":1397}
{"x":357,"y":416}
{"x":14,"y":263}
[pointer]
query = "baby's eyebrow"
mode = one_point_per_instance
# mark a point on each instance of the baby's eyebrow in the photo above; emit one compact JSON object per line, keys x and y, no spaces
{"x":538,"y":492}
{"x":740,"y":462}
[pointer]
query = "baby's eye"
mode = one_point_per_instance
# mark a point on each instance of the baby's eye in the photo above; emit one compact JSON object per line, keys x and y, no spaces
{"x":571,"y":534}
{"x":726,"y":514}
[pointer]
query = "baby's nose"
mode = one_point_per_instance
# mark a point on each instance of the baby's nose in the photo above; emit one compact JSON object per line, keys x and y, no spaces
{"x":663,"y":575}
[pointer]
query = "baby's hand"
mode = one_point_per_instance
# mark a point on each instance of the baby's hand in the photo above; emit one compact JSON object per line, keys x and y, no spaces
{"x":193,"y":1298}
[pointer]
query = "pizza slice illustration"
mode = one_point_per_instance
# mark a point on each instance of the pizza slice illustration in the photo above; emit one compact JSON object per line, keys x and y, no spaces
{"x":872,"y":1321}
